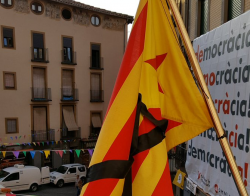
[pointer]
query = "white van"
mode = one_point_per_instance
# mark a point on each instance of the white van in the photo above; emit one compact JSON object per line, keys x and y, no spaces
{"x":22,"y":177}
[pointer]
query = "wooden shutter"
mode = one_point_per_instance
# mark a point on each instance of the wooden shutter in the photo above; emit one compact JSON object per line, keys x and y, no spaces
{"x":234,"y":9}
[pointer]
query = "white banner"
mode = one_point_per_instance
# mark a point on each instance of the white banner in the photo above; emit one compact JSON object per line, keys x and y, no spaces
{"x":224,"y":57}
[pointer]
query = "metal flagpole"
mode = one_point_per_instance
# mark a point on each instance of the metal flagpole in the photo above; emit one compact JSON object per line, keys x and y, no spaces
{"x":206,"y":94}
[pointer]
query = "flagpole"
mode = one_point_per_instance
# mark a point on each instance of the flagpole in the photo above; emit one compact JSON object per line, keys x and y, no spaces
{"x":206,"y":94}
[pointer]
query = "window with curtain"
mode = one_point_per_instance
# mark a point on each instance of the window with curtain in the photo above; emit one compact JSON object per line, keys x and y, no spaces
{"x":8,"y":37}
{"x":40,"y":123}
{"x":11,"y":125}
{"x":95,"y":86}
{"x":234,"y":9}
{"x":38,"y":46}
{"x":67,"y":84}
{"x":67,"y":49}
{"x":9,"y":80}
{"x":204,"y":15}
{"x":39,"y":88}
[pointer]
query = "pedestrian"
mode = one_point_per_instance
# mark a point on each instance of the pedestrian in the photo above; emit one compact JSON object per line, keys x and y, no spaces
{"x":78,"y":185}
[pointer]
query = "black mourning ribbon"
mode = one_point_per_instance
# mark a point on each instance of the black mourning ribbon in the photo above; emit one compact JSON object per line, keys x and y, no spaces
{"x":121,"y":169}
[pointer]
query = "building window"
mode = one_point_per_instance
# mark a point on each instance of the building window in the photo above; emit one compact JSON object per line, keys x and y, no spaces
{"x":9,"y":80}
{"x":203,"y":18}
{"x":95,"y":20}
{"x":232,"y":9}
{"x":36,"y":7}
{"x":38,"y":46}
{"x":95,"y":62}
{"x":11,"y":125}
{"x":8,"y":37}
{"x":69,"y":125}
{"x":39,"y":83}
{"x":96,"y":124}
{"x":7,"y":3}
{"x":96,"y":93}
{"x":66,"y":14}
{"x":67,"y":85}
{"x":40,"y":127}
{"x":67,"y":50}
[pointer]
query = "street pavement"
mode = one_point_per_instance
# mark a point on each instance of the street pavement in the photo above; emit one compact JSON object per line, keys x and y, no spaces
{"x":51,"y":190}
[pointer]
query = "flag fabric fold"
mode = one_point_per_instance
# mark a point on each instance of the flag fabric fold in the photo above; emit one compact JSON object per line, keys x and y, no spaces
{"x":155,"y":106}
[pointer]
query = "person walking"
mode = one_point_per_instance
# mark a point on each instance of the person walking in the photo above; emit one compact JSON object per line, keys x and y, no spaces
{"x":78,"y":185}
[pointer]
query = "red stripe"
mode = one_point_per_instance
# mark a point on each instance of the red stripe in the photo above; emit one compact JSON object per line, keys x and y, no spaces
{"x":164,"y":186}
{"x":138,"y":160}
{"x":120,"y":148}
{"x":157,"y":61}
{"x":102,"y":187}
{"x":133,"y":51}
{"x":172,"y":124}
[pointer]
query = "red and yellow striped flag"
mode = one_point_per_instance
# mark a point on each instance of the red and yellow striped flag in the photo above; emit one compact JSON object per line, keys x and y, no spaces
{"x":130,"y":157}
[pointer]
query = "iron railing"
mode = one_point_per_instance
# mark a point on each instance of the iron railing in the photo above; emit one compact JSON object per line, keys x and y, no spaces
{"x":69,"y":58}
{"x":43,"y":135}
{"x":65,"y":134}
{"x":98,"y":64}
{"x":40,"y":94}
{"x":96,"y":95}
{"x":40,"y":55}
{"x":69,"y":94}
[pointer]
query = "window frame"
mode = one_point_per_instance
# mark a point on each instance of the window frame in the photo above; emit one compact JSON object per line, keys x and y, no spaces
{"x":13,"y":37}
{"x":8,"y":7}
{"x":15,"y":83}
{"x":17,"y":125}
{"x":199,"y":21}
{"x":100,"y":56}
{"x":10,"y":175}
{"x":36,"y":12}
{"x":72,"y":50}
{"x":66,"y":8}
{"x":95,"y":15}
{"x":44,"y":46}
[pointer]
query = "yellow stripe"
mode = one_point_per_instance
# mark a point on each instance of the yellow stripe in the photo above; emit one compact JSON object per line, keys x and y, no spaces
{"x":84,"y":188}
{"x":150,"y":171}
{"x":124,"y":104}
{"x":118,"y":189}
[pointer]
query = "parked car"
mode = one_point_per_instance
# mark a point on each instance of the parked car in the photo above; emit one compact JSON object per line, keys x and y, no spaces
{"x":67,"y":173}
{"x":22,"y":177}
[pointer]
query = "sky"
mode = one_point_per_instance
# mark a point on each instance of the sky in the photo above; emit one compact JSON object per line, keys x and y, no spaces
{"x":128,"y":7}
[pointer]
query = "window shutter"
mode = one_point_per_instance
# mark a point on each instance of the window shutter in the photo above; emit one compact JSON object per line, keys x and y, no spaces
{"x":67,"y":82}
{"x":95,"y":82}
{"x":38,"y":40}
{"x":40,"y":122}
{"x":67,"y":42}
{"x":7,"y":32}
{"x":9,"y":80}
{"x":234,"y":9}
{"x":204,"y":16}
{"x":11,"y":126}
{"x":39,"y":82}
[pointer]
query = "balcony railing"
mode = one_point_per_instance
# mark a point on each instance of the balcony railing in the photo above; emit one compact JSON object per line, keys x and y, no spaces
{"x":96,"y":64}
{"x":42,"y":136}
{"x":94,"y":132}
{"x":40,"y":55}
{"x":40,"y":94}
{"x":69,"y":58}
{"x":69,"y":94}
{"x":65,"y":134}
{"x":180,"y":156}
{"x":96,"y":95}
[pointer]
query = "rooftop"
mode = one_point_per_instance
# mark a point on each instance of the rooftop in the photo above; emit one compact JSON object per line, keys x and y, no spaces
{"x":95,"y":9}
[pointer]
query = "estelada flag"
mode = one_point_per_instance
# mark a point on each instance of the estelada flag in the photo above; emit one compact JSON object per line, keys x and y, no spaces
{"x":155,"y":106}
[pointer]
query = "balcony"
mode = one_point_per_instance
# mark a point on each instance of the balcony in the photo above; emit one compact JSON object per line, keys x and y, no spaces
{"x":68,"y":57}
{"x":69,"y":94}
{"x":40,"y":94}
{"x":39,"y":55}
{"x":66,"y":135}
{"x":94,"y":132}
{"x":96,"y":96}
{"x":42,"y":136}
{"x":96,"y":63}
